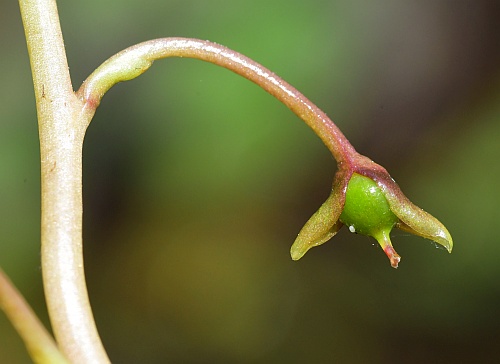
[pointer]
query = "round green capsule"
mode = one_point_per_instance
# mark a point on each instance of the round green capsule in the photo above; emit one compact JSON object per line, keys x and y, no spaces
{"x":366,"y":211}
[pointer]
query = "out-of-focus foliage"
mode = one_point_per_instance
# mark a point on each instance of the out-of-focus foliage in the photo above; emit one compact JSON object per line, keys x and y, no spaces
{"x":196,"y":182}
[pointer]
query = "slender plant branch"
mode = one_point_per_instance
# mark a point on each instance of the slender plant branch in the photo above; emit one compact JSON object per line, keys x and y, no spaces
{"x":62,"y":122}
{"x":38,"y":341}
{"x":135,"y":60}
{"x":63,"y":117}
{"x":323,"y":225}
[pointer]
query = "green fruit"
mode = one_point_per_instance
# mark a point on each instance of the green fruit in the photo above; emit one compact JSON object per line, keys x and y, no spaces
{"x":366,"y":210}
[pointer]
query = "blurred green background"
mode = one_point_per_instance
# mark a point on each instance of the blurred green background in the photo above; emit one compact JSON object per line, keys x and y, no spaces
{"x":196,"y":182}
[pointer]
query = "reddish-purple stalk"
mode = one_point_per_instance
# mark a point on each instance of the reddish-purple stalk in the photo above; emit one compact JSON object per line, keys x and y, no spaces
{"x":135,"y":60}
{"x":214,"y":53}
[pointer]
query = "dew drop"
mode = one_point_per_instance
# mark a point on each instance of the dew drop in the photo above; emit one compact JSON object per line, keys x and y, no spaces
{"x":438,"y":246}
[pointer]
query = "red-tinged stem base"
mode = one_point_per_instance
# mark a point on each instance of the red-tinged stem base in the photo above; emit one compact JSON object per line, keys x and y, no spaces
{"x":392,"y":255}
{"x":385,"y":242}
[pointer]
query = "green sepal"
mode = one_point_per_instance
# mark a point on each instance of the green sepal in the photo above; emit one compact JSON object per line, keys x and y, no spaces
{"x":324,"y":223}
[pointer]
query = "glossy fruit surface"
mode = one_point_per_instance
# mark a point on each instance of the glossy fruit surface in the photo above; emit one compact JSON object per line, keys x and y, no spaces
{"x":366,"y":210}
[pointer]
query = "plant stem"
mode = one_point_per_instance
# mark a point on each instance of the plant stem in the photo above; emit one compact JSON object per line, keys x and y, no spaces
{"x":62,"y":121}
{"x":135,"y":60}
{"x":38,"y":341}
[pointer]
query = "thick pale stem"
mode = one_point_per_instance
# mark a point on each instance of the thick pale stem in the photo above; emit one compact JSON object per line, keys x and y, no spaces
{"x":133,"y":61}
{"x":62,"y":125}
{"x":38,"y":341}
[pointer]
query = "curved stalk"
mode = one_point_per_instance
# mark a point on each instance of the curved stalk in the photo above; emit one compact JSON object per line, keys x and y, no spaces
{"x":135,"y":60}
{"x":62,"y":122}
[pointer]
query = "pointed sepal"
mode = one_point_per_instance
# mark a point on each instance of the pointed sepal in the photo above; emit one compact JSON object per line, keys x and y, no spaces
{"x":413,"y":219}
{"x":324,"y":223}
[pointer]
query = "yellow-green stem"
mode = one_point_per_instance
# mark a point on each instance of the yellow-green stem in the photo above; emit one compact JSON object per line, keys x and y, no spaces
{"x":40,"y":345}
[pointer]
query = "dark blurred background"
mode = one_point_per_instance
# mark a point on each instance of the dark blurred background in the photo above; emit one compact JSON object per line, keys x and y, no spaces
{"x":196,"y":182}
